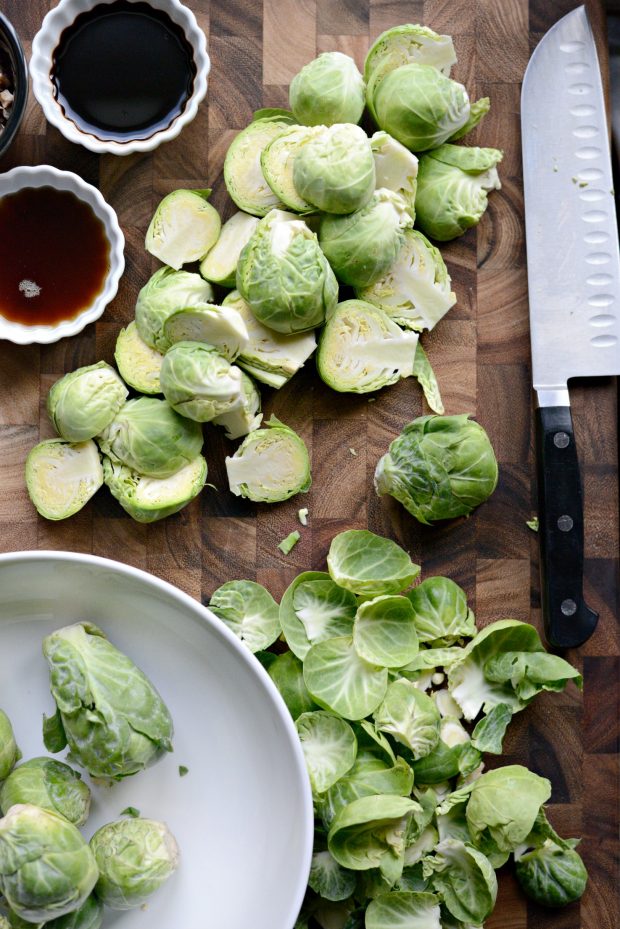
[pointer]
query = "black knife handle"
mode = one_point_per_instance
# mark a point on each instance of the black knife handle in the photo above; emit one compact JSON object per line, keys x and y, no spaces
{"x":568,"y":620}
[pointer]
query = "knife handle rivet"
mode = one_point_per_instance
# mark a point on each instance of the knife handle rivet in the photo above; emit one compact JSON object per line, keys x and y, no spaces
{"x":568,"y":607}
{"x":565,"y":523}
{"x":561,"y":439}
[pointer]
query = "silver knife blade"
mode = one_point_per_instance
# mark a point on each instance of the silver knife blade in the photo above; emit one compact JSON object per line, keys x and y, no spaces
{"x":571,"y":230}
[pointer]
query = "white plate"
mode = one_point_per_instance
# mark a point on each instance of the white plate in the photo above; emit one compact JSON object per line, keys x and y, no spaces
{"x":243,"y":814}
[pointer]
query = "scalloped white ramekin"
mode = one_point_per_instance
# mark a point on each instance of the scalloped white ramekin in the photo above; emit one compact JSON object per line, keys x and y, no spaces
{"x":46,"y":41}
{"x":46,"y":176}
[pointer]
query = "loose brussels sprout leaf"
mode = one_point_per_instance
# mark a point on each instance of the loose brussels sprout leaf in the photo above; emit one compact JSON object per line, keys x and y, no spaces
{"x":82,"y":403}
{"x":375,"y":742}
{"x":419,"y":107}
{"x":9,"y":752}
{"x":530,"y":673}
{"x":46,"y":867}
{"x":428,"y":839}
{"x":166,"y":291}
{"x":135,"y":857}
{"x":149,"y":499}
{"x":489,"y":733}
{"x":362,"y":246}
{"x":427,"y":380}
{"x":384,"y":632}
{"x":441,"y":764}
{"x":271,"y":464}
{"x":284,"y":275}
{"x":183,"y":228}
{"x":441,"y":614}
{"x":249,"y":611}
{"x":275,"y":113}
{"x":431,"y":658}
{"x":402,"y":45}
{"x":453,"y":185}
{"x":465,"y":880}
{"x":415,"y":291}
{"x":219,"y":326}
{"x":246,"y":415}
{"x":328,"y":90}
{"x":287,"y":673}
{"x":335,"y":169}
{"x":269,"y":356}
{"x":138,"y":364}
{"x":396,"y":168}
{"x":220,"y":264}
{"x":370,"y":831}
{"x":277,"y":161}
{"x":328,"y":879}
{"x":339,"y":680}
{"x":403,"y":910}
{"x":243,"y":176}
{"x":369,"y":565}
{"x":477,"y":111}
{"x":410,"y":716}
{"x":552,"y":876}
{"x":150,"y":437}
{"x":287,"y":544}
{"x":50,"y":785}
{"x":325,"y":610}
{"x":368,"y":777}
{"x":198,"y":382}
{"x":61,"y":477}
{"x":89,"y":678}
{"x":292,"y":626}
{"x":440,"y":467}
{"x":503,"y":805}
{"x":329,"y":746}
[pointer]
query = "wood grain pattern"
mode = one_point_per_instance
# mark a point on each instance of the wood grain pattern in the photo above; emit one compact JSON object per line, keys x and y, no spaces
{"x":481,"y":355}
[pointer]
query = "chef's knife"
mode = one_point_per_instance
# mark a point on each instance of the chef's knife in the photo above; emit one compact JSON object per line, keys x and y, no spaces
{"x":573,"y":278}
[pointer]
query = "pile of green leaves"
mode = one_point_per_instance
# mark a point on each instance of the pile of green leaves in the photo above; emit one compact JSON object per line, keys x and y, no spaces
{"x":397,"y":696}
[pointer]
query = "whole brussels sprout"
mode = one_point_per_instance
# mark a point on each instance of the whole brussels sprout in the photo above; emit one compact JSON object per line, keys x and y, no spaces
{"x":243,"y":175}
{"x":440,"y":467}
{"x":88,"y":916}
{"x":46,"y":867}
{"x":50,"y":785}
{"x":284,"y":275}
{"x":152,"y":438}
{"x":335,"y":170}
{"x":551,"y":875}
{"x":328,"y":90}
{"x":9,"y":752}
{"x":198,"y":382}
{"x":82,"y":403}
{"x":166,"y":291}
{"x":134,"y":857}
{"x":108,"y":734}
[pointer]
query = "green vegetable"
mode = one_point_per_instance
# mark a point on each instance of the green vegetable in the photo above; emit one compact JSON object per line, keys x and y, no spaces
{"x":82,"y":403}
{"x":46,"y":867}
{"x":138,"y":364}
{"x":108,"y":734}
{"x":440,"y":467}
{"x":371,"y":833}
{"x":503,"y":805}
{"x":183,"y":228}
{"x":369,"y":776}
{"x":245,"y":416}
{"x":287,"y":545}
{"x":61,"y":476}
{"x":9,"y":752}
{"x":402,"y":45}
{"x":403,"y":910}
{"x":410,"y":716}
{"x":183,"y":770}
{"x":50,"y":785}
{"x":221,"y":327}
{"x":453,"y":185}
{"x":465,"y":880}
{"x":440,"y":612}
{"x":342,"y":682}
{"x":167,"y":291}
{"x":198,"y":382}
{"x":148,"y":499}
{"x":488,"y":734}
{"x":286,"y":671}
{"x":427,"y":380}
{"x":533,"y":524}
{"x":551,"y":875}
{"x":396,"y":168}
{"x":530,"y":673}
{"x":243,"y":176}
{"x":328,"y":879}
{"x":335,"y":169}
{"x":277,"y":161}
{"x":131,"y":811}
{"x":329,"y":746}
{"x":369,"y":565}
{"x":220,"y":264}
{"x":271,"y":464}
{"x":384,"y":632}
{"x":135,"y":857}
{"x":328,"y":90}
{"x":249,"y":611}
{"x":88,"y":916}
{"x":314,"y":609}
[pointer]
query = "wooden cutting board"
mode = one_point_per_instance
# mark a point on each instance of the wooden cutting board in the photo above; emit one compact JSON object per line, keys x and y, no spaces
{"x":480,"y":353}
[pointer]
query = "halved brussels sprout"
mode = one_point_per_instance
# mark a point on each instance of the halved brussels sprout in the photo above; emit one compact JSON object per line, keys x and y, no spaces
{"x":335,"y":170}
{"x":246,"y":415}
{"x":82,"y":403}
{"x":396,"y":168}
{"x":183,"y":228}
{"x":150,"y":437}
{"x":453,"y":189}
{"x":50,"y":785}
{"x":138,"y":363}
{"x":243,"y":175}
{"x":198,"y":382}
{"x":272,"y":464}
{"x":408,"y":43}
{"x":61,"y":476}
{"x":219,"y":326}
{"x":284,"y":275}
{"x":328,"y":90}
{"x":269,"y":356}
{"x":166,"y":291}
{"x":361,"y":349}
{"x":416,"y":290}
{"x":362,"y":246}
{"x":148,"y":499}
{"x":277,"y":161}
{"x":220,"y":264}
{"x":9,"y":752}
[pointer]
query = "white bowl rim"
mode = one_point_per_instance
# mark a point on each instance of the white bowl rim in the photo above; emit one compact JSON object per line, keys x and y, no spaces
{"x":46,"y":40}
{"x":23,"y":177}
{"x":306,"y":817}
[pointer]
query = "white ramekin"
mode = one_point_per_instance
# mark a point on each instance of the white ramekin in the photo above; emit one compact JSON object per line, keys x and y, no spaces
{"x":46,"y":176}
{"x":46,"y":41}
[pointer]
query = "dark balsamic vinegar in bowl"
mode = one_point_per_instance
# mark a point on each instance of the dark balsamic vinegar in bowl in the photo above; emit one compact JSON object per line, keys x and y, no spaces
{"x":123,"y":71}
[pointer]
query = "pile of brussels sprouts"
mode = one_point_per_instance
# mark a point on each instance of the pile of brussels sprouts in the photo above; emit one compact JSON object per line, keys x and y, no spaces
{"x":330,"y":238}
{"x":49,"y":874}
{"x":397,"y":696}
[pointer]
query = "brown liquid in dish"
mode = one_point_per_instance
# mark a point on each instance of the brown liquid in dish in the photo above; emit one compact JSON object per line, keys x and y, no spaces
{"x":123,"y":71}
{"x":54,"y":257}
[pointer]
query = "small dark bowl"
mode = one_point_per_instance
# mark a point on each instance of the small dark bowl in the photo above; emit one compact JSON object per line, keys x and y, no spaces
{"x":11,"y":45}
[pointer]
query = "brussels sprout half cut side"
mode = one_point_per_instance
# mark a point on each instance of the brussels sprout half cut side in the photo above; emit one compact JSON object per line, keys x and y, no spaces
{"x":219,"y":326}
{"x":243,"y":174}
{"x":82,"y":403}
{"x":220,"y":264}
{"x":408,"y":43}
{"x":149,"y":499}
{"x":277,"y":161}
{"x":62,"y":476}
{"x":183,"y":228}
{"x":271,"y":465}
{"x":139,"y":364}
